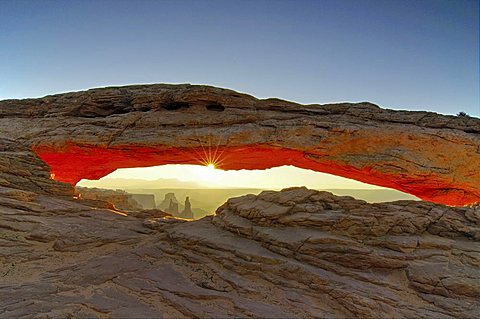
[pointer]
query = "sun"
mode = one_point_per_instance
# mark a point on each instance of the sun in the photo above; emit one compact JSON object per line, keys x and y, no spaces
{"x":208,"y":174}
{"x":209,"y":154}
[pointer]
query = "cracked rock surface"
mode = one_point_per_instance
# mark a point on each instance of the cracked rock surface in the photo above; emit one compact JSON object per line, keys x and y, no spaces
{"x":293,"y":253}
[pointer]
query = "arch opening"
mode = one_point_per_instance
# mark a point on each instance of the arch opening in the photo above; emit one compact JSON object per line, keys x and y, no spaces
{"x":194,"y":191}
{"x":71,"y":163}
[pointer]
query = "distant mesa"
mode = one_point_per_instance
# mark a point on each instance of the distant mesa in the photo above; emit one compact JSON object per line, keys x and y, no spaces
{"x":173,"y":208}
{"x":118,"y":199}
{"x":166,"y":204}
{"x":147,"y":201}
{"x":135,"y":203}
{"x":187,"y":211}
{"x":434,"y":157}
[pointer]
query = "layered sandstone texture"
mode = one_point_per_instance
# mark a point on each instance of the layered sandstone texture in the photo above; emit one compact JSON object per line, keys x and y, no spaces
{"x":90,"y":134}
{"x":297,"y":253}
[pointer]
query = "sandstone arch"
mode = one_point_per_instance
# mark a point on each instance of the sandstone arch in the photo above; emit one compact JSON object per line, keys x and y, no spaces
{"x":90,"y":134}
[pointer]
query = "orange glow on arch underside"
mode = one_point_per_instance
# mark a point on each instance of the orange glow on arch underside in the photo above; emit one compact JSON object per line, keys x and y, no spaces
{"x":71,"y":163}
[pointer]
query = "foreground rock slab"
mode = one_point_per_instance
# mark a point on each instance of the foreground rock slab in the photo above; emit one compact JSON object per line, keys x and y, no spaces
{"x":90,"y":134}
{"x":294,"y":253}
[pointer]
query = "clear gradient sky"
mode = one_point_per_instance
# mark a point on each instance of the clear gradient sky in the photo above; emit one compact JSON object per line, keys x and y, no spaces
{"x":419,"y":55}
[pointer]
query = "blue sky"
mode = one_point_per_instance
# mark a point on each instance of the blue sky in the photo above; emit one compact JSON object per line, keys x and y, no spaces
{"x":419,"y":55}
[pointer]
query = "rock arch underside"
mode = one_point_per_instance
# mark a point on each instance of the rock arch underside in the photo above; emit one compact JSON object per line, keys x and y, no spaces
{"x":293,"y":253}
{"x":90,"y":134}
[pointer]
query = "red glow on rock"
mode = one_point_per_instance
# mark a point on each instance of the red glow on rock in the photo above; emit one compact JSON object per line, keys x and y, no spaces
{"x":71,"y":163}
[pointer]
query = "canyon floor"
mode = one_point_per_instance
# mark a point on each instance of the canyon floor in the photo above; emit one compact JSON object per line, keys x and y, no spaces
{"x":293,"y":253}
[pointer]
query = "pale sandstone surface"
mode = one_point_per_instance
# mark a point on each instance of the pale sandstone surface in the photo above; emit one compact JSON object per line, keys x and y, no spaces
{"x":294,"y":253}
{"x":91,"y":133}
